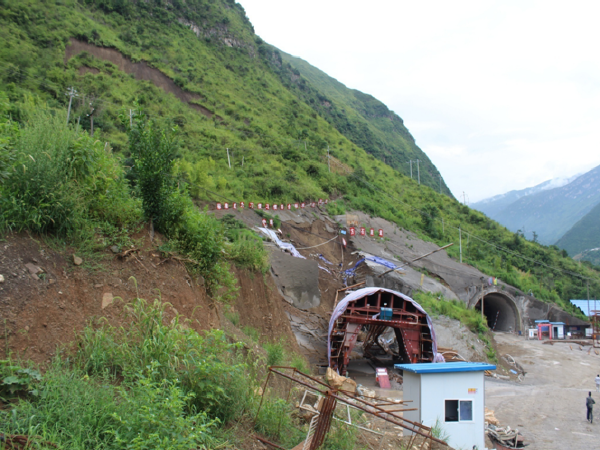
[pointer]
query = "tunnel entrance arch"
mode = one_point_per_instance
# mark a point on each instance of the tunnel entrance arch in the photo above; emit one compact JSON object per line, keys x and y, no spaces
{"x":500,"y":310}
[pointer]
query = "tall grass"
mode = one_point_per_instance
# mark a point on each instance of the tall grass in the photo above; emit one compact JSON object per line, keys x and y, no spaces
{"x":63,"y":182}
{"x":151,"y":383}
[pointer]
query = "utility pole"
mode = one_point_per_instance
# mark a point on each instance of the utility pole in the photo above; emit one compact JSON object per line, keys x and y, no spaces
{"x":91,"y":116}
{"x":464,"y":198}
{"x":71,"y":93}
{"x":460,"y":243}
{"x":242,"y":161}
{"x":443,"y":233}
{"x":588,"y":296}
{"x":130,"y":119}
{"x":328,"y":159}
{"x":418,"y":172}
{"x":410,"y":169}
{"x":228,"y":160}
{"x":440,"y":177}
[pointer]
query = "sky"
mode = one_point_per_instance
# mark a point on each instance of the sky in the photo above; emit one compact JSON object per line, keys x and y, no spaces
{"x":500,"y":95}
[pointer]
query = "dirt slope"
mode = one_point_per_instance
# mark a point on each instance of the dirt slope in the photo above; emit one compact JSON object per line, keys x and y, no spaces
{"x":39,"y":313}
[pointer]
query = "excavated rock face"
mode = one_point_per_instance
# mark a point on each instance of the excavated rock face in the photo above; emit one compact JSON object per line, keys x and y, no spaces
{"x":297,"y":279}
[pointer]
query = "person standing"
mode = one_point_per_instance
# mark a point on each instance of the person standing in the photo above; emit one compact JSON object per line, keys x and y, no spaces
{"x":589,"y":403}
{"x":598,"y":383}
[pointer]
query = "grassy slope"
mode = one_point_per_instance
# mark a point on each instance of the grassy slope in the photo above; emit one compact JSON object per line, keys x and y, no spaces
{"x":263,"y":121}
{"x":363,"y":119}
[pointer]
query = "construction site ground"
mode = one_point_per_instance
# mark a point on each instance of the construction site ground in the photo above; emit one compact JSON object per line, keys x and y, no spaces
{"x":548,"y":406}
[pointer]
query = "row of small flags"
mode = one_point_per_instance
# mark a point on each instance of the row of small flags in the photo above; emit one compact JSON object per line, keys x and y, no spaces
{"x":363,"y":232}
{"x":274,"y":206}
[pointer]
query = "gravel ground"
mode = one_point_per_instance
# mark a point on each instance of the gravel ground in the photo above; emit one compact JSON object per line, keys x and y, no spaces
{"x":548,"y":407}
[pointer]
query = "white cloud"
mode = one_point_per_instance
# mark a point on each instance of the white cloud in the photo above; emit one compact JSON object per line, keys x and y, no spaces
{"x":500,"y":95}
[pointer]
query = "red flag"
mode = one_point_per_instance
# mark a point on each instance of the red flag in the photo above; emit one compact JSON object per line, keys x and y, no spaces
{"x":251,"y":205}
{"x":235,"y":206}
{"x":271,"y":222}
{"x":352,"y":231}
{"x":264,"y":222}
{"x":381,"y":232}
{"x":296,"y":205}
{"x":303,"y":204}
{"x":226,"y":205}
{"x":242,"y":205}
{"x":371,"y":232}
{"x":260,"y":206}
{"x":267,"y":206}
{"x":281,"y":207}
{"x":362,"y":231}
{"x":274,"y":207}
{"x":289,"y":205}
{"x":218,"y":206}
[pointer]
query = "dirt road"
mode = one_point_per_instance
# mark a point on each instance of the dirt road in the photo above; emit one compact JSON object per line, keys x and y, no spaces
{"x":548,"y":407}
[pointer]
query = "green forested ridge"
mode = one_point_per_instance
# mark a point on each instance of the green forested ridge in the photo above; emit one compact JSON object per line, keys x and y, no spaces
{"x":584,"y":235}
{"x":276,"y":136}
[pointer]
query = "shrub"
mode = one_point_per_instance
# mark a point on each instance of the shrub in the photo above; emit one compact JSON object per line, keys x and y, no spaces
{"x":206,"y":365}
{"x":63,"y":182}
{"x":275,"y":353}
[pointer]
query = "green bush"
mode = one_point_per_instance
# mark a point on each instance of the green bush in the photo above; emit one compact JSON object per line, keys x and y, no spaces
{"x":63,"y":182}
{"x":275,"y":353}
{"x":207,"y":365}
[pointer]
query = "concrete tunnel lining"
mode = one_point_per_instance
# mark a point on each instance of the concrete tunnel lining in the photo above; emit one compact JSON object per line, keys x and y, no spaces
{"x":501,"y":312}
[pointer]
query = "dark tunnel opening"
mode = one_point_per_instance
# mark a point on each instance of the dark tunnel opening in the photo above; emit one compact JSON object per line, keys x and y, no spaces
{"x":501,"y":312}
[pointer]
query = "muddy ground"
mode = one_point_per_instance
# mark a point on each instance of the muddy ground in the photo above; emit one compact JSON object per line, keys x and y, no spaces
{"x":548,"y":406}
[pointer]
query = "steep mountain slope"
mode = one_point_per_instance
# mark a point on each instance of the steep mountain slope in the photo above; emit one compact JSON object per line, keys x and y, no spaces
{"x":550,"y":214}
{"x":244,"y":133}
{"x":361,"y":118}
{"x":492,"y":206}
{"x":584,"y":235}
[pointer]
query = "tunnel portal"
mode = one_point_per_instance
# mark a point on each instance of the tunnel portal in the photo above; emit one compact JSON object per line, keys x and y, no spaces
{"x":500,"y":311}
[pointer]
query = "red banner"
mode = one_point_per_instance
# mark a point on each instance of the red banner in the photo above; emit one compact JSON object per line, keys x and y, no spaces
{"x":218,"y":206}
{"x":381,"y":232}
{"x":303,"y":204}
{"x":371,"y":232}
{"x":226,"y":205}
{"x":274,"y":207}
{"x":242,"y":205}
{"x":271,"y":222}
{"x":267,"y":206}
{"x":264,"y":222}
{"x":352,"y":231}
{"x":362,"y":231}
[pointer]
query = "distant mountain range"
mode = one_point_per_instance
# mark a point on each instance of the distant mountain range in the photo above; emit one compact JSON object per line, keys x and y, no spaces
{"x":551,"y":210}
{"x":495,"y":205}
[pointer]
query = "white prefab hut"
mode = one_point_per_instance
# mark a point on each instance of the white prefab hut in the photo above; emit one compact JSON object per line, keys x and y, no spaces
{"x":451,"y":394}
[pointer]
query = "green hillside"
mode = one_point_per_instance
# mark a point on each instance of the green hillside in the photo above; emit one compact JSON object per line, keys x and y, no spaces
{"x":585,"y":234}
{"x":360,"y":117}
{"x":276,"y":136}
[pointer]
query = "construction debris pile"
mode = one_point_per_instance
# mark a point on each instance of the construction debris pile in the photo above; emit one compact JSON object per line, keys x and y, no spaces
{"x":502,"y":436}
